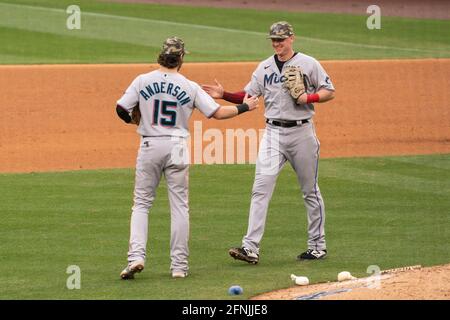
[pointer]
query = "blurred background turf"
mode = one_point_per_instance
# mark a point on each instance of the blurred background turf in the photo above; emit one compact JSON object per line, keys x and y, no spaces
{"x":35,"y":32}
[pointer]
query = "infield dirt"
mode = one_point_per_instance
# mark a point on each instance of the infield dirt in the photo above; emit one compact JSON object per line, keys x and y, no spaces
{"x":62,"y":117}
{"x":432,"y":283}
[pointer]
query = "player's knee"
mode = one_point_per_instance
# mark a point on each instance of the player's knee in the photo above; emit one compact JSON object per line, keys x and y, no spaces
{"x":142,"y":203}
{"x":261,"y":191}
{"x":311,"y":193}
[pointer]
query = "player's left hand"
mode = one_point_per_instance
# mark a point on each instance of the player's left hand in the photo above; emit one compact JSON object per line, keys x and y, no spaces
{"x":293,"y":82}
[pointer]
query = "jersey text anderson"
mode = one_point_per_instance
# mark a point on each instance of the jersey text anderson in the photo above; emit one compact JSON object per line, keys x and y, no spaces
{"x":164,"y":87}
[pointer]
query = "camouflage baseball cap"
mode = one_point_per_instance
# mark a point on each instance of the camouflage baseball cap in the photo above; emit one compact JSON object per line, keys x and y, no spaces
{"x":173,"y":45}
{"x":280,"y":30}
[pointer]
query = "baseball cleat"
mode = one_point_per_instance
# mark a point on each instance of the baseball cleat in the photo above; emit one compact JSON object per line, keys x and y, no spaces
{"x":131,"y":269}
{"x":179,"y":274}
{"x":311,"y":254}
{"x":244,"y":254}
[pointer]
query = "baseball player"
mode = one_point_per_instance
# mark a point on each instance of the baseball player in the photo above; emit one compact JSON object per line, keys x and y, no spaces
{"x":290,"y":83}
{"x":166,"y":100}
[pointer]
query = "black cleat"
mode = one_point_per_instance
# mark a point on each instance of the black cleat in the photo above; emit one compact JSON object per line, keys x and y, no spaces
{"x":131,"y":269}
{"x":311,"y":254}
{"x":244,"y":254}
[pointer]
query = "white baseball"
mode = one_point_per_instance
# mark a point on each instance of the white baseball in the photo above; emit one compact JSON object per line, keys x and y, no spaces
{"x":301,"y":281}
{"x":345,"y":275}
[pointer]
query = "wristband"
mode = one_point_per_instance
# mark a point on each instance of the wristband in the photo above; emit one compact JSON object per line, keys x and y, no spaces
{"x":242,"y":108}
{"x":311,"y":98}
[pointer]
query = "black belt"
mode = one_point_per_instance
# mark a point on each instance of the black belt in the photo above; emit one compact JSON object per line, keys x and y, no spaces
{"x":287,"y":124}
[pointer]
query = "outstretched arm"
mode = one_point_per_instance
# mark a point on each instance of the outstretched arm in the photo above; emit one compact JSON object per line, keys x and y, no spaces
{"x":217,"y":92}
{"x":226,"y":112}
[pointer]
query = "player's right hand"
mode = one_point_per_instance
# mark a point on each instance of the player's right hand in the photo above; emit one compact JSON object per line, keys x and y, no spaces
{"x":252,"y":102}
{"x":215,"y":91}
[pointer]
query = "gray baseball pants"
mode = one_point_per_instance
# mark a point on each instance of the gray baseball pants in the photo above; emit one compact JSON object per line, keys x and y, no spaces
{"x":158,"y":156}
{"x":298,"y":145}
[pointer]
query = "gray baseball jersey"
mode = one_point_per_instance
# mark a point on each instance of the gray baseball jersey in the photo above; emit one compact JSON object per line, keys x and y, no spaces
{"x":166,"y":101}
{"x":297,"y":145}
{"x":267,"y":81}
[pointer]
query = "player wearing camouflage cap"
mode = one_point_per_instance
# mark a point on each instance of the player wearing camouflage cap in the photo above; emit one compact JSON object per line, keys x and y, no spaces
{"x":280,"y":30}
{"x":166,"y":100}
{"x":290,"y":83}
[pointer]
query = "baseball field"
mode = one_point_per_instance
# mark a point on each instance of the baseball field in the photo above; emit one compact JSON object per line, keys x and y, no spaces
{"x":67,"y":161}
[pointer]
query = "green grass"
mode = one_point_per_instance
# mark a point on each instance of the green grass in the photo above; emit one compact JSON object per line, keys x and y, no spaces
{"x":35,"y":32}
{"x":390,"y":212}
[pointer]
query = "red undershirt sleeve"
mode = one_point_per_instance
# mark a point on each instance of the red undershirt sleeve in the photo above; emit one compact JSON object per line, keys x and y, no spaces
{"x":235,"y":97}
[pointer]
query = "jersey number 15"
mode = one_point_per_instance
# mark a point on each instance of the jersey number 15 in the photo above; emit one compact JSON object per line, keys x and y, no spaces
{"x":164,"y":113}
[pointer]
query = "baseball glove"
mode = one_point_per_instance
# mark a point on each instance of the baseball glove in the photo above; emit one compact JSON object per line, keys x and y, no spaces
{"x":294,"y":81}
{"x":135,"y":115}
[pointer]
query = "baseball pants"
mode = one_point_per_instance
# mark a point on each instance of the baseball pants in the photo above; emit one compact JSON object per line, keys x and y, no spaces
{"x":158,"y":156}
{"x":298,"y":145}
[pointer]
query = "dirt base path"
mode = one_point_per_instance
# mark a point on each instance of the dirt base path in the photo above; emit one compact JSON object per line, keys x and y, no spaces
{"x":431,"y":283}
{"x":62,"y":117}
